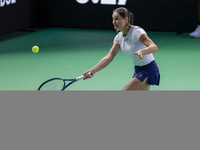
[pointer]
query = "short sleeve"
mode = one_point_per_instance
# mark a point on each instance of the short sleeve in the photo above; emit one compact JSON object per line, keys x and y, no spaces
{"x":138,"y":33}
{"x":116,"y":39}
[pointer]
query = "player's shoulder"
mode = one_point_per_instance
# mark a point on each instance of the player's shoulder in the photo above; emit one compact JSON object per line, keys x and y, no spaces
{"x":136,"y":28}
{"x":137,"y":31}
{"x":119,"y":35}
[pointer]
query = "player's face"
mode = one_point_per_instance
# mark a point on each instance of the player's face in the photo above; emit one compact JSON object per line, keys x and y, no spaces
{"x":118,"y":22}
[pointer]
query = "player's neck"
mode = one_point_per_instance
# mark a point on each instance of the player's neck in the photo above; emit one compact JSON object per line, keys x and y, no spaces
{"x":126,"y":29}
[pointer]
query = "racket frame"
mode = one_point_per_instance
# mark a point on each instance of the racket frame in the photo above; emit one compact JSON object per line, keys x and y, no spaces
{"x":64,"y":83}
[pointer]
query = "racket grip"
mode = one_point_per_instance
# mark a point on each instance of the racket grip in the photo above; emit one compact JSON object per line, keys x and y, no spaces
{"x":81,"y":77}
{"x":78,"y":78}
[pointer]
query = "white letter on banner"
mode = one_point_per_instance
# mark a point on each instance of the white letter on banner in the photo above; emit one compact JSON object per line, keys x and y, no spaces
{"x":82,"y":1}
{"x":122,"y":2}
{"x":2,"y":3}
{"x":108,"y":2}
{"x":13,"y":1}
{"x":104,"y":2}
{"x":8,"y":2}
{"x":95,"y":1}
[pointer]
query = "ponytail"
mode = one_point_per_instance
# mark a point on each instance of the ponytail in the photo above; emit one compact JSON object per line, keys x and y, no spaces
{"x":130,"y":18}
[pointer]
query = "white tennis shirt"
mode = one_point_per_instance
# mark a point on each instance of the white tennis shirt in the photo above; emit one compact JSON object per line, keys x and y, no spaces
{"x":130,"y":44}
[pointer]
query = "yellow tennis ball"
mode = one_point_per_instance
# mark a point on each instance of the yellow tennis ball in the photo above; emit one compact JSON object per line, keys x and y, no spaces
{"x":35,"y":49}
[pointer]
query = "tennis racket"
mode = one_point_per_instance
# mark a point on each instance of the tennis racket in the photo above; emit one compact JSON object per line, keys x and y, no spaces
{"x":58,"y":84}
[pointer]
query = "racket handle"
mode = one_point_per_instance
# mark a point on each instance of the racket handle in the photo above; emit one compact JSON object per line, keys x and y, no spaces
{"x":81,"y":77}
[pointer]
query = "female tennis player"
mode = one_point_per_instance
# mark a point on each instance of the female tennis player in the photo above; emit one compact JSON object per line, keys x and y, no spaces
{"x":133,"y":41}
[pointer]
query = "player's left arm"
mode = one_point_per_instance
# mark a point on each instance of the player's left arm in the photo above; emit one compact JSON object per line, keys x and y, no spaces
{"x":150,"y":46}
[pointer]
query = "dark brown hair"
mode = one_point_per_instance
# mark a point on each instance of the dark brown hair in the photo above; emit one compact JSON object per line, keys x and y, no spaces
{"x":124,"y":12}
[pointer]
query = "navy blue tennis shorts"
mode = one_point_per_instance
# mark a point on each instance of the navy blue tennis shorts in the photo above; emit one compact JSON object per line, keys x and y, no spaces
{"x":149,"y":71}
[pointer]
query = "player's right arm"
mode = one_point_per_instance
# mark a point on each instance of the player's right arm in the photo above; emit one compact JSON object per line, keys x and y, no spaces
{"x":104,"y":61}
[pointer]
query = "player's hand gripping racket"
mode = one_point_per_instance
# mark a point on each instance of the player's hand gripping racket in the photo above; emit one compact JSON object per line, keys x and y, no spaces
{"x":58,"y":84}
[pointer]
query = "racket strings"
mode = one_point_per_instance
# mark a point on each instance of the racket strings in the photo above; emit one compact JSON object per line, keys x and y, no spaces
{"x":54,"y":85}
